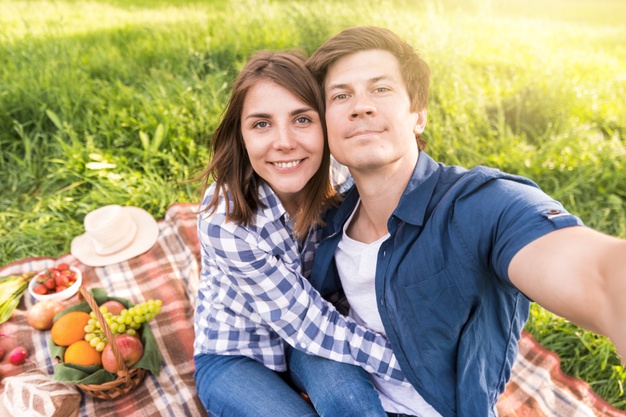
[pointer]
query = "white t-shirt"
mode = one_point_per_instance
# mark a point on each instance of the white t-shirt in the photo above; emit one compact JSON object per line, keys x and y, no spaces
{"x":356,"y":263}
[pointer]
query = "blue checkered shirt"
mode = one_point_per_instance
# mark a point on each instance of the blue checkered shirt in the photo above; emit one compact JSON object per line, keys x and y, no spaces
{"x":253,"y":298}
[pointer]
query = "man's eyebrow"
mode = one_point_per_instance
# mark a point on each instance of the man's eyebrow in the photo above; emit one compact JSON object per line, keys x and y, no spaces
{"x":337,"y":86}
{"x":373,"y":80}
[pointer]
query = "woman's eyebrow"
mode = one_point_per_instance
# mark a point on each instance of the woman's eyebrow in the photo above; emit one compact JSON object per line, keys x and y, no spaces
{"x":269,"y":116}
{"x":301,"y":110}
{"x":258,"y":116}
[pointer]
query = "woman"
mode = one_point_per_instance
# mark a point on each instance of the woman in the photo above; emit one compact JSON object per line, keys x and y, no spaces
{"x":270,"y":168}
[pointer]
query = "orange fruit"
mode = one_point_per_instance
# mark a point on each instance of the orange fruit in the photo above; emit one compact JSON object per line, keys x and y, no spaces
{"x":69,"y":328}
{"x":82,"y":353}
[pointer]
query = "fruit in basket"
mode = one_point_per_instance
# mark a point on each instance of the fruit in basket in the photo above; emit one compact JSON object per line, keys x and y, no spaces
{"x":130,"y":348}
{"x":129,"y":321}
{"x":69,"y":328}
{"x":114,"y":307}
{"x":82,"y":353}
{"x":41,"y":315}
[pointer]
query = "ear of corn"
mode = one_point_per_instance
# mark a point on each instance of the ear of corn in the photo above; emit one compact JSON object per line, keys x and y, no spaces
{"x":11,"y":289}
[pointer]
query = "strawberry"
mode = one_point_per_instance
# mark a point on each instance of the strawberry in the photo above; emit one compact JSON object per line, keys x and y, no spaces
{"x":63,"y":267}
{"x":50,"y":283}
{"x":62,"y":281}
{"x":40,"y":289}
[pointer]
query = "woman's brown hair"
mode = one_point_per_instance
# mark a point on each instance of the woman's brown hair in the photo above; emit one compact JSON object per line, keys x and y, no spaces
{"x":230,"y":166}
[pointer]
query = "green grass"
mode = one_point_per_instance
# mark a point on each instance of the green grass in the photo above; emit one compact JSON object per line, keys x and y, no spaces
{"x":114,"y":102}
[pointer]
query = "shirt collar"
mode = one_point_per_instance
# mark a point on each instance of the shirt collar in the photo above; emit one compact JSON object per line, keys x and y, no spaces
{"x":415,"y":198}
{"x":273,"y":209}
{"x":419,"y":191}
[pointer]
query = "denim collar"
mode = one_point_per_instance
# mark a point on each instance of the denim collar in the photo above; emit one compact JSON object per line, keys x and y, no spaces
{"x":415,"y":198}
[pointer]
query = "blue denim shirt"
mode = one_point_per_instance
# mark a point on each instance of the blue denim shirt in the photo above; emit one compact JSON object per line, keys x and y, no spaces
{"x":442,"y":285}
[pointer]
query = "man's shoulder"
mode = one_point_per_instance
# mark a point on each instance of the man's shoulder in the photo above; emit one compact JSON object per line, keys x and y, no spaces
{"x":468,"y":180}
{"x":441,"y":188}
{"x":478,"y":173}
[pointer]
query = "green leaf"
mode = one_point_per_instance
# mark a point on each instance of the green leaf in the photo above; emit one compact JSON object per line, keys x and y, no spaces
{"x":158,"y":138}
{"x":145,"y":140}
{"x":55,"y":119}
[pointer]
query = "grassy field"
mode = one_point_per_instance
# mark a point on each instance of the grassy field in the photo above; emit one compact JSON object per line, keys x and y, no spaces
{"x":114,"y":102}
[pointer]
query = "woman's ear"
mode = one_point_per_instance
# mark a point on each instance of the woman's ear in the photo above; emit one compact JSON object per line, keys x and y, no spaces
{"x":420,"y":124}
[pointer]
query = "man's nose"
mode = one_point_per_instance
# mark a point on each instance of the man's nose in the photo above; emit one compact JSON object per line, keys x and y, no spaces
{"x":363,"y":106}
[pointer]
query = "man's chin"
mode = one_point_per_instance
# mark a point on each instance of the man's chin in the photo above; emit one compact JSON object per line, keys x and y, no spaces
{"x":365,"y":165}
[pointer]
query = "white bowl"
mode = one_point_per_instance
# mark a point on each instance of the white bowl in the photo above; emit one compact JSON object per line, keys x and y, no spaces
{"x":58,"y":296}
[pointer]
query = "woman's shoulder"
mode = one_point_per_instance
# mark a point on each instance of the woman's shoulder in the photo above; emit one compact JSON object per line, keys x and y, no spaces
{"x":214,"y":221}
{"x":214,"y":202}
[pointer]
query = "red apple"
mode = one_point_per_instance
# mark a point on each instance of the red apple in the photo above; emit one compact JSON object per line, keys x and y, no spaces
{"x":130,"y":348}
{"x":114,"y":307}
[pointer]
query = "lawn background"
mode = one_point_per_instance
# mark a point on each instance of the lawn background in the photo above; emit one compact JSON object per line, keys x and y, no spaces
{"x":114,"y":102}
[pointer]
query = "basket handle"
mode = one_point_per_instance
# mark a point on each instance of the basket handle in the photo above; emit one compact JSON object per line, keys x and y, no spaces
{"x":122,"y":369}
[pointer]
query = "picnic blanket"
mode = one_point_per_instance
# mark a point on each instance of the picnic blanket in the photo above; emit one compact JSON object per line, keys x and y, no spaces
{"x":170,"y":272}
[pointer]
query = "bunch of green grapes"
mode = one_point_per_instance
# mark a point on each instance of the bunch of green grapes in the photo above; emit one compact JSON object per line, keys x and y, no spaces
{"x":127,"y":322}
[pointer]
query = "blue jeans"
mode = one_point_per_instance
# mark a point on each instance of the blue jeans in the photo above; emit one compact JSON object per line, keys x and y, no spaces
{"x":237,"y":386}
{"x":335,"y":389}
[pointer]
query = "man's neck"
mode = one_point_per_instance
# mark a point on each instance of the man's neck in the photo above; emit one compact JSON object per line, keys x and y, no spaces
{"x":380,"y":193}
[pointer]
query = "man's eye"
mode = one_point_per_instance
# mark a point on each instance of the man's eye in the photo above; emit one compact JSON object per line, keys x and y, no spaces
{"x":340,"y":97}
{"x":382,"y":89}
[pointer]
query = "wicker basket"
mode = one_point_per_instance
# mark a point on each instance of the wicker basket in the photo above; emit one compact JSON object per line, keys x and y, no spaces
{"x":127,"y":379}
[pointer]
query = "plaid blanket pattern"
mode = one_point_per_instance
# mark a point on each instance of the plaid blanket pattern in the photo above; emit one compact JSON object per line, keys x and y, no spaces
{"x":170,"y":272}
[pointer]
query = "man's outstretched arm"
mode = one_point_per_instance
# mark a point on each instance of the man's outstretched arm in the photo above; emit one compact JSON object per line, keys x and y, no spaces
{"x":580,"y":275}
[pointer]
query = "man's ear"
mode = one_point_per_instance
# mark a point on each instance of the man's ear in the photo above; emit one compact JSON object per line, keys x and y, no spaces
{"x":420,"y":124}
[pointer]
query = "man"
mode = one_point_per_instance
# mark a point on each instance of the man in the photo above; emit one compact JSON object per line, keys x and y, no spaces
{"x":450,"y":257}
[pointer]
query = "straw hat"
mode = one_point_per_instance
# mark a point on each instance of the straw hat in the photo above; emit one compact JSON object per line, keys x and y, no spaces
{"x":115,"y":234}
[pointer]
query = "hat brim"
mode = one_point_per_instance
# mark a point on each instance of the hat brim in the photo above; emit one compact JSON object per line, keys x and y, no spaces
{"x":147,"y":234}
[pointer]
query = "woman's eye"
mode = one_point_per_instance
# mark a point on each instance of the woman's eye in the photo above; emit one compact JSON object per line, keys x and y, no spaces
{"x":260,"y":125}
{"x":302,"y":120}
{"x":382,"y":89}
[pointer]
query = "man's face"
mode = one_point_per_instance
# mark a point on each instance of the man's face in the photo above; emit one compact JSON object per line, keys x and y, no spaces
{"x":368,"y":112}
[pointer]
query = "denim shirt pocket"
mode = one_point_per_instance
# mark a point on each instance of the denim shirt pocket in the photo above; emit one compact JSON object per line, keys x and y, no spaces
{"x":436,"y":314}
{"x":437,"y":305}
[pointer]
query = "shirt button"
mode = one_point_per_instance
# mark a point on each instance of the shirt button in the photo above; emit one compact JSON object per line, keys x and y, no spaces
{"x":303,"y":345}
{"x":553,"y":211}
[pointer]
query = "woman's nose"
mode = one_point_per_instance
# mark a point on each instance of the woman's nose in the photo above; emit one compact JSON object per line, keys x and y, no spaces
{"x":284,"y":139}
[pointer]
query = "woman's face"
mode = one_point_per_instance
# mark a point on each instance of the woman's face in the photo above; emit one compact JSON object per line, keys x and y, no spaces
{"x":284,"y":139}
